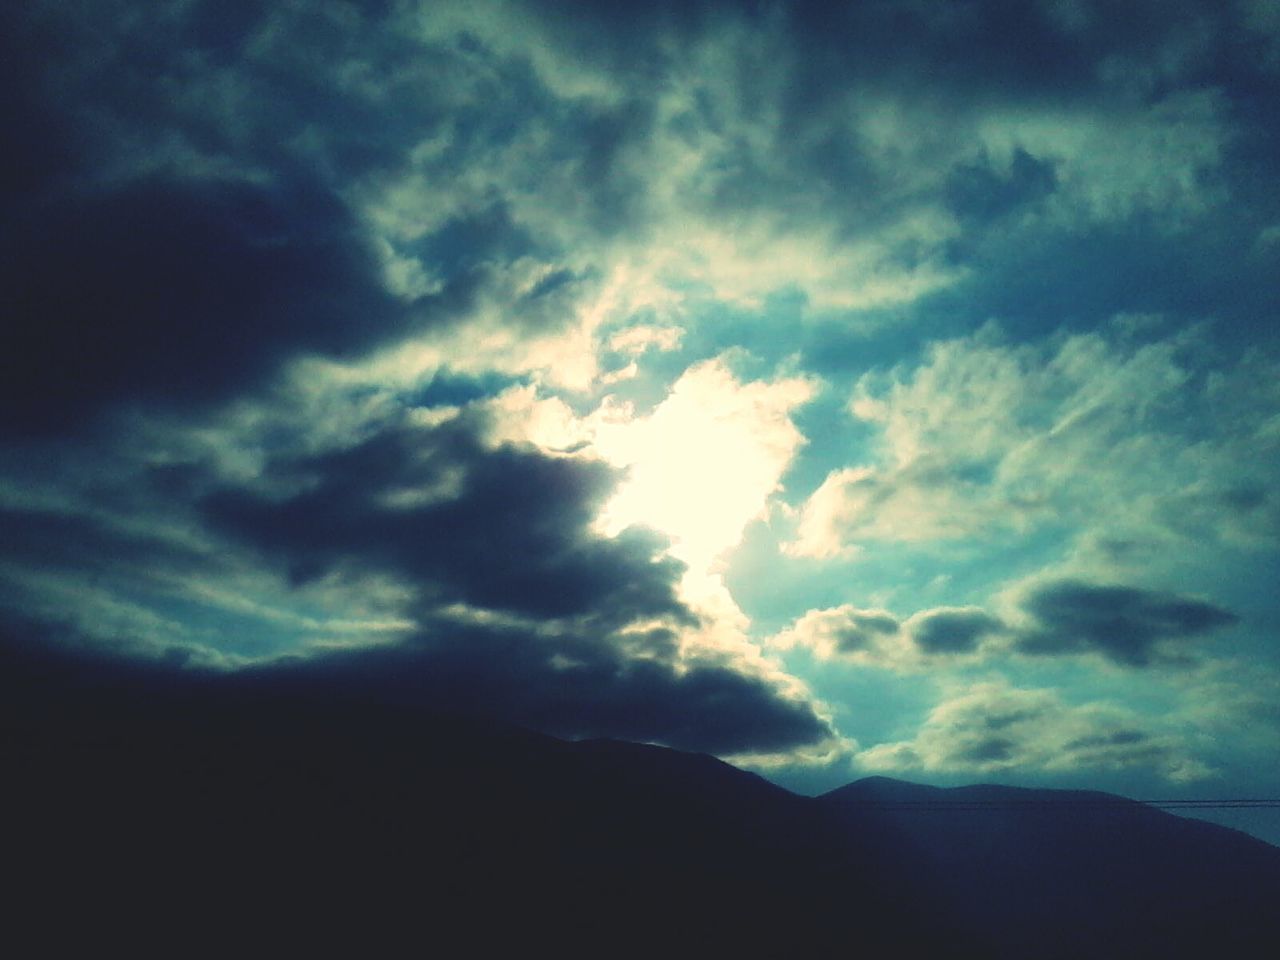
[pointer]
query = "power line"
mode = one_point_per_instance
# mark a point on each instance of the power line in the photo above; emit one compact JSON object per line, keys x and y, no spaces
{"x":1120,"y":803}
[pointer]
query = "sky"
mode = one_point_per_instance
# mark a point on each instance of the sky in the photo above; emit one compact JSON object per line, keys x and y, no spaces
{"x":889,"y":388}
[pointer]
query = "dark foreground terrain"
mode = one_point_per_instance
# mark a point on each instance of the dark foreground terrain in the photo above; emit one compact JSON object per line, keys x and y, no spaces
{"x":144,"y":813}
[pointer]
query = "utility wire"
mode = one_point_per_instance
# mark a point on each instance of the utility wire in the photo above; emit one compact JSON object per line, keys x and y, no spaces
{"x":1231,"y":803}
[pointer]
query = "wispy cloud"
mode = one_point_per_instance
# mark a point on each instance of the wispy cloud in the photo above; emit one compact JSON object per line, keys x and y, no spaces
{"x":992,"y":727}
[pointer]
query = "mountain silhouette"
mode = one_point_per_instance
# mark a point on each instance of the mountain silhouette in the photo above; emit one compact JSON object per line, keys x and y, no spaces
{"x":1068,"y":873}
{"x":163,"y":812}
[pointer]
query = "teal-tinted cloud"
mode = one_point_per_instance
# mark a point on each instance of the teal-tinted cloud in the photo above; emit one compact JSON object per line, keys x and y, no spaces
{"x":1124,"y":624}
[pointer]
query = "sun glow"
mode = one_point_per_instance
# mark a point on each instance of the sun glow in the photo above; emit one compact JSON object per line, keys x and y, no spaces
{"x":705,"y":462}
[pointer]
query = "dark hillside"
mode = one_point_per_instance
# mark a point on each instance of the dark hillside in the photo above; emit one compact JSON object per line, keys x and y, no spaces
{"x":164,"y":812}
{"x":1057,"y":873}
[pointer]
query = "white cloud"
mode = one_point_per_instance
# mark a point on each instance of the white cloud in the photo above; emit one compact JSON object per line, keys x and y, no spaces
{"x":1091,"y":430}
{"x":636,"y":340}
{"x":993,"y":727}
{"x":520,"y":415}
{"x":872,"y":636}
{"x":878,"y":638}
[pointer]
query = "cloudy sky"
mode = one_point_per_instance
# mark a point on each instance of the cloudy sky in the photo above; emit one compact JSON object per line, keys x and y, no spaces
{"x":889,"y":390}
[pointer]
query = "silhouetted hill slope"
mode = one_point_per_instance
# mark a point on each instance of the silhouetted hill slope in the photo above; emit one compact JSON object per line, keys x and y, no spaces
{"x":1058,"y":873}
{"x":161,"y":812}
{"x":167,"y":812}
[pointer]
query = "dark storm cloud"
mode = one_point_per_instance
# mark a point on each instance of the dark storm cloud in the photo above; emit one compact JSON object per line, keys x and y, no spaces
{"x":153,"y":285}
{"x":43,"y":539}
{"x":995,"y":50}
{"x":456,"y":522}
{"x":981,"y":48}
{"x":253,"y":85}
{"x":504,"y":529}
{"x":996,"y":41}
{"x":40,"y":144}
{"x":952,"y":631}
{"x":169,"y":203}
{"x":1124,"y":624}
{"x":571,"y":684}
{"x":179,"y":293}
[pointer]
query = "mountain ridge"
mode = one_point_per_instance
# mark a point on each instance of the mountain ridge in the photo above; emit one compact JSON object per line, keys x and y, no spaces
{"x":152,"y":808}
